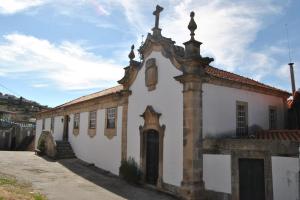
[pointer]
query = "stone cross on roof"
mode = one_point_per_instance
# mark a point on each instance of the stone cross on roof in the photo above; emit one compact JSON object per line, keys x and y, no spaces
{"x":156,"y":30}
{"x":156,"y":13}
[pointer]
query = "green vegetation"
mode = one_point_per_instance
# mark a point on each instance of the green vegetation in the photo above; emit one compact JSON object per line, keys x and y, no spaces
{"x":11,"y":189}
{"x":41,"y":146}
{"x":7,"y":181}
{"x":38,"y":197}
{"x":130,"y":171}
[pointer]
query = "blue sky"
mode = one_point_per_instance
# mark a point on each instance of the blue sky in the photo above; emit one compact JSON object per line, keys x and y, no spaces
{"x":53,"y":51}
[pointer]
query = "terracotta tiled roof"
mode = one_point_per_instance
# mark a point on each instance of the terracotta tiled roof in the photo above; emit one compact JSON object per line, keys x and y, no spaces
{"x":289,"y":135}
{"x":240,"y":79}
{"x":92,"y":96}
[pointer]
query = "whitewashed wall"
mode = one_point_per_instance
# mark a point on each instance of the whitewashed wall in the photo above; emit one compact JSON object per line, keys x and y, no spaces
{"x":217,"y":172}
{"x":39,"y":128}
{"x":285,"y":175}
{"x":219,"y":110}
{"x":48,"y":124}
{"x":38,"y":131}
{"x":58,"y":128}
{"x":166,"y":99}
{"x":99,"y":150}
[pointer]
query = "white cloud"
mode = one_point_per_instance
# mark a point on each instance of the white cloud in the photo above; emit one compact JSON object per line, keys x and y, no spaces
{"x":40,"y":85}
{"x":67,"y":65}
{"x":14,"y":6}
{"x":226,"y":28}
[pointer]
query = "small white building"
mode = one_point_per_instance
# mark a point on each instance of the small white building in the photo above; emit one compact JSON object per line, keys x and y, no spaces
{"x":191,"y":127}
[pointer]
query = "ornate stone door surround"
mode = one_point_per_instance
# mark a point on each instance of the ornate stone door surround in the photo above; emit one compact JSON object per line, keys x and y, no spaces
{"x":252,"y":154}
{"x":151,"y":122}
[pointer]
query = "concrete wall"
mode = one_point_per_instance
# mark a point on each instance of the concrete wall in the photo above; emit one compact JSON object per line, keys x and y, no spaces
{"x":217,"y":172}
{"x":103,"y":152}
{"x":219,"y":110}
{"x":166,"y":99}
{"x":285,"y":175}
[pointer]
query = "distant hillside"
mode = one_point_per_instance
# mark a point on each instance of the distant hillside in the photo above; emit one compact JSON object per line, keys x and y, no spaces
{"x":22,"y":109}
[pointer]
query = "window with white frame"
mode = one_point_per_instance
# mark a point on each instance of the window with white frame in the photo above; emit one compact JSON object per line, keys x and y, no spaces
{"x":272,"y":117}
{"x":76,"y":120}
{"x":52,"y":124}
{"x":241,"y":119}
{"x":111,"y":117}
{"x":92,"y":119}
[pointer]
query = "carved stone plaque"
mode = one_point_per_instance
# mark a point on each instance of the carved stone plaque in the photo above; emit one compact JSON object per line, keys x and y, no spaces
{"x":151,"y":74}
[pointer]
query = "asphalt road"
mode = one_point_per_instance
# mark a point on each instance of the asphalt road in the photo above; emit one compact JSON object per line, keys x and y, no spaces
{"x":71,"y":179}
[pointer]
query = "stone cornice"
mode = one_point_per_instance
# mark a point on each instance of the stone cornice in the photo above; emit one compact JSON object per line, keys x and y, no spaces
{"x":185,"y":78}
{"x":131,"y":72}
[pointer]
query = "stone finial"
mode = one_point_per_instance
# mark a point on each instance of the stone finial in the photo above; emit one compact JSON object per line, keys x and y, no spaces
{"x":131,"y":55}
{"x":192,"y":25}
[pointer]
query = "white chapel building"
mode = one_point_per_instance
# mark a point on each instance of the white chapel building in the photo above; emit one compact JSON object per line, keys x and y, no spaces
{"x":196,"y":131}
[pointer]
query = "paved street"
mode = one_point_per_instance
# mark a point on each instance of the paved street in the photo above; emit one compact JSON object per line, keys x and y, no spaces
{"x":70,"y":179}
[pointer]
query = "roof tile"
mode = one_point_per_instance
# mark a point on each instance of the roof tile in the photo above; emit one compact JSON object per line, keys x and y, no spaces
{"x":288,"y":135}
{"x":238,"y":78}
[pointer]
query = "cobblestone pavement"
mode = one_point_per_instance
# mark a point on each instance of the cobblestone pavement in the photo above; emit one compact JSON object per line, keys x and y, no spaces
{"x":71,"y":179}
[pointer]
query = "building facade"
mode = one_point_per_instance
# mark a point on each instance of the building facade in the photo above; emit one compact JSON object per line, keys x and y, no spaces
{"x":191,"y":127}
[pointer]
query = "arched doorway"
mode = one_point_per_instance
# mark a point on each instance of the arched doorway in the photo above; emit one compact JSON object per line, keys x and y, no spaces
{"x":152,"y":156}
{"x":151,"y":141}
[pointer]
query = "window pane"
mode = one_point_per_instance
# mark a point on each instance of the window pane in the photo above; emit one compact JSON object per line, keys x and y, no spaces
{"x":76,"y":120}
{"x":241,"y":119}
{"x":272,"y":118}
{"x":111,"y":117}
{"x":92,"y":117}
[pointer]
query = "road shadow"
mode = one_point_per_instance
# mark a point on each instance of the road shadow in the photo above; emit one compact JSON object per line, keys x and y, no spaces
{"x":112,"y":183}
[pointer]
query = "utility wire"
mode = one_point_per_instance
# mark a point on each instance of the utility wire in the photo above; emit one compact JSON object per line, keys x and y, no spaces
{"x":15,"y":93}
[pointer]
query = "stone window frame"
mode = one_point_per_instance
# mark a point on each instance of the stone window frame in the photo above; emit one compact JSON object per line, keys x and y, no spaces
{"x":43,"y":123}
{"x":273,"y":124}
{"x":242,"y":103}
{"x":92,"y":130}
{"x":108,"y":131}
{"x":76,"y":128}
{"x":250,"y":154}
{"x":52,"y":124}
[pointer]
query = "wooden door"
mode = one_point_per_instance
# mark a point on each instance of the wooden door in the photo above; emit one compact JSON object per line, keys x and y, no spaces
{"x":152,"y":157}
{"x":251,"y":179}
